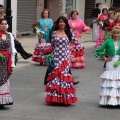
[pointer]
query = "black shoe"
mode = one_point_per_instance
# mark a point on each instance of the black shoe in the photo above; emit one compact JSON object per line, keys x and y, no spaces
{"x":24,"y":57}
{"x":29,"y":55}
{"x":45,"y":83}
{"x":1,"y":106}
{"x":16,"y":58}
{"x":104,"y":66}
{"x":75,"y":83}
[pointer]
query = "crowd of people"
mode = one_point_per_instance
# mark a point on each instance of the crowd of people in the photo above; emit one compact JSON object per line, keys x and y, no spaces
{"x":108,"y":47}
{"x":62,"y":41}
{"x":64,"y":36}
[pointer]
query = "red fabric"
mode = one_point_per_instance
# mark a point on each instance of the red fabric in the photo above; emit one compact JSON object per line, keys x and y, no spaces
{"x":109,"y":28}
{"x":47,"y":51}
{"x":112,"y":24}
{"x":78,"y":59}
{"x":6,"y":93}
{"x":60,"y":89}
{"x":77,"y":65}
{"x":57,"y":71}
{"x":117,"y":24}
{"x":102,"y":17}
{"x":7,"y":53}
{"x":36,"y":58}
{"x":56,"y":99}
{"x":2,"y":32}
{"x":78,"y":53}
{"x":34,"y":24}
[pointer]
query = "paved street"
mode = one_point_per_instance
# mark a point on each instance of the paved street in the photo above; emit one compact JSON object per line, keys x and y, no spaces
{"x":27,"y":90}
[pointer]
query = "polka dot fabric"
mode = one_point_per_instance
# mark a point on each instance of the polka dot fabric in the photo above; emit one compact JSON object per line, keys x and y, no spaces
{"x":60,"y":88}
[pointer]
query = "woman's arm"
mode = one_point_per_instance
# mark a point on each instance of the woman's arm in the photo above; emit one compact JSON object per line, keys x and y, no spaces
{"x":100,"y":51}
{"x":74,"y":39}
{"x":12,"y":50}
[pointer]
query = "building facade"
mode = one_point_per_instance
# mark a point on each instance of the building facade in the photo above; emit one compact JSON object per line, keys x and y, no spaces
{"x":25,"y":12}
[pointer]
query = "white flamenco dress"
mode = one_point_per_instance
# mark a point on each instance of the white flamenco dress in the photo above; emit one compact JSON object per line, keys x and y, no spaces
{"x":110,"y":85}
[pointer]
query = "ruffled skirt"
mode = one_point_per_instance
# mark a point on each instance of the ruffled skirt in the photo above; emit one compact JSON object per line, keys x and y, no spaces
{"x":100,"y":38}
{"x":40,"y":51}
{"x":110,"y":85}
{"x":5,"y":97}
{"x":60,"y":88}
{"x":78,"y":59}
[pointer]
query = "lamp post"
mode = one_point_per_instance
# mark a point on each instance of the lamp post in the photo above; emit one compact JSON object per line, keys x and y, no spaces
{"x":8,"y":15}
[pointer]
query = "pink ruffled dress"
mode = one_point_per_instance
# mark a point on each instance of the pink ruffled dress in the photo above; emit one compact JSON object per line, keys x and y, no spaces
{"x":100,"y":38}
{"x":78,"y":53}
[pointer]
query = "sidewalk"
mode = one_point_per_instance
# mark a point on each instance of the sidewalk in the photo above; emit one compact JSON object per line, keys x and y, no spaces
{"x":29,"y":41}
{"x":28,"y":93}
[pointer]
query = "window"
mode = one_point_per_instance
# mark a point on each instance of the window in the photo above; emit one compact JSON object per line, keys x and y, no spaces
{"x":70,"y":5}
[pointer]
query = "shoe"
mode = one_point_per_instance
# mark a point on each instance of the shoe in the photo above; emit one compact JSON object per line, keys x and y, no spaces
{"x":24,"y":57}
{"x":104,"y":66}
{"x":29,"y":55}
{"x":1,"y":106}
{"x":75,"y":83}
{"x":16,"y":58}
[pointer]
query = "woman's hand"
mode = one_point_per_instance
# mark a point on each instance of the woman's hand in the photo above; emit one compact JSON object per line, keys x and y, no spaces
{"x":43,"y":41}
{"x":108,"y":59}
{"x":81,"y":34}
{"x":39,"y":37}
{"x":71,"y":57}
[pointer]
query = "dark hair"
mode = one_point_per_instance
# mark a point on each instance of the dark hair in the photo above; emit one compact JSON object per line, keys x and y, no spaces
{"x":43,"y":13}
{"x":1,"y":5}
{"x":74,"y":12}
{"x":97,"y":4}
{"x":111,"y":12}
{"x":104,"y":10}
{"x":2,"y":19}
{"x":67,"y":29}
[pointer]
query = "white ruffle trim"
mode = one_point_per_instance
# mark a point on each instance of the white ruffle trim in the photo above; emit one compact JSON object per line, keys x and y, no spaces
{"x":111,"y":92}
{"x":111,"y":75}
{"x":110,"y":84}
{"x":105,"y":100}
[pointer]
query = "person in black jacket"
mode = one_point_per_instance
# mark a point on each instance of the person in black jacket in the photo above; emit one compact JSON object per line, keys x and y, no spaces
{"x":18,"y":46}
{"x":96,"y":11}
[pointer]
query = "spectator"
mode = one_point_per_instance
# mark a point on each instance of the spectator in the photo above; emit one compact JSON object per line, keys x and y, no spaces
{"x":2,"y":14}
{"x":96,"y":11}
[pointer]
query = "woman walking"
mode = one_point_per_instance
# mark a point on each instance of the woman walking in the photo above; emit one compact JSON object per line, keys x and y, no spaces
{"x":110,"y":85}
{"x":45,"y":25}
{"x":78,"y":27}
{"x":108,"y":25}
{"x":60,"y":88}
{"x":7,"y":52}
{"x":100,"y":21}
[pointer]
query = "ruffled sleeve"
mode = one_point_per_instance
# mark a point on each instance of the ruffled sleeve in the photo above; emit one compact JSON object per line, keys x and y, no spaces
{"x":12,"y":50}
{"x":51,"y":24}
{"x":53,"y":37}
{"x":74,"y":39}
{"x":101,"y":50}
